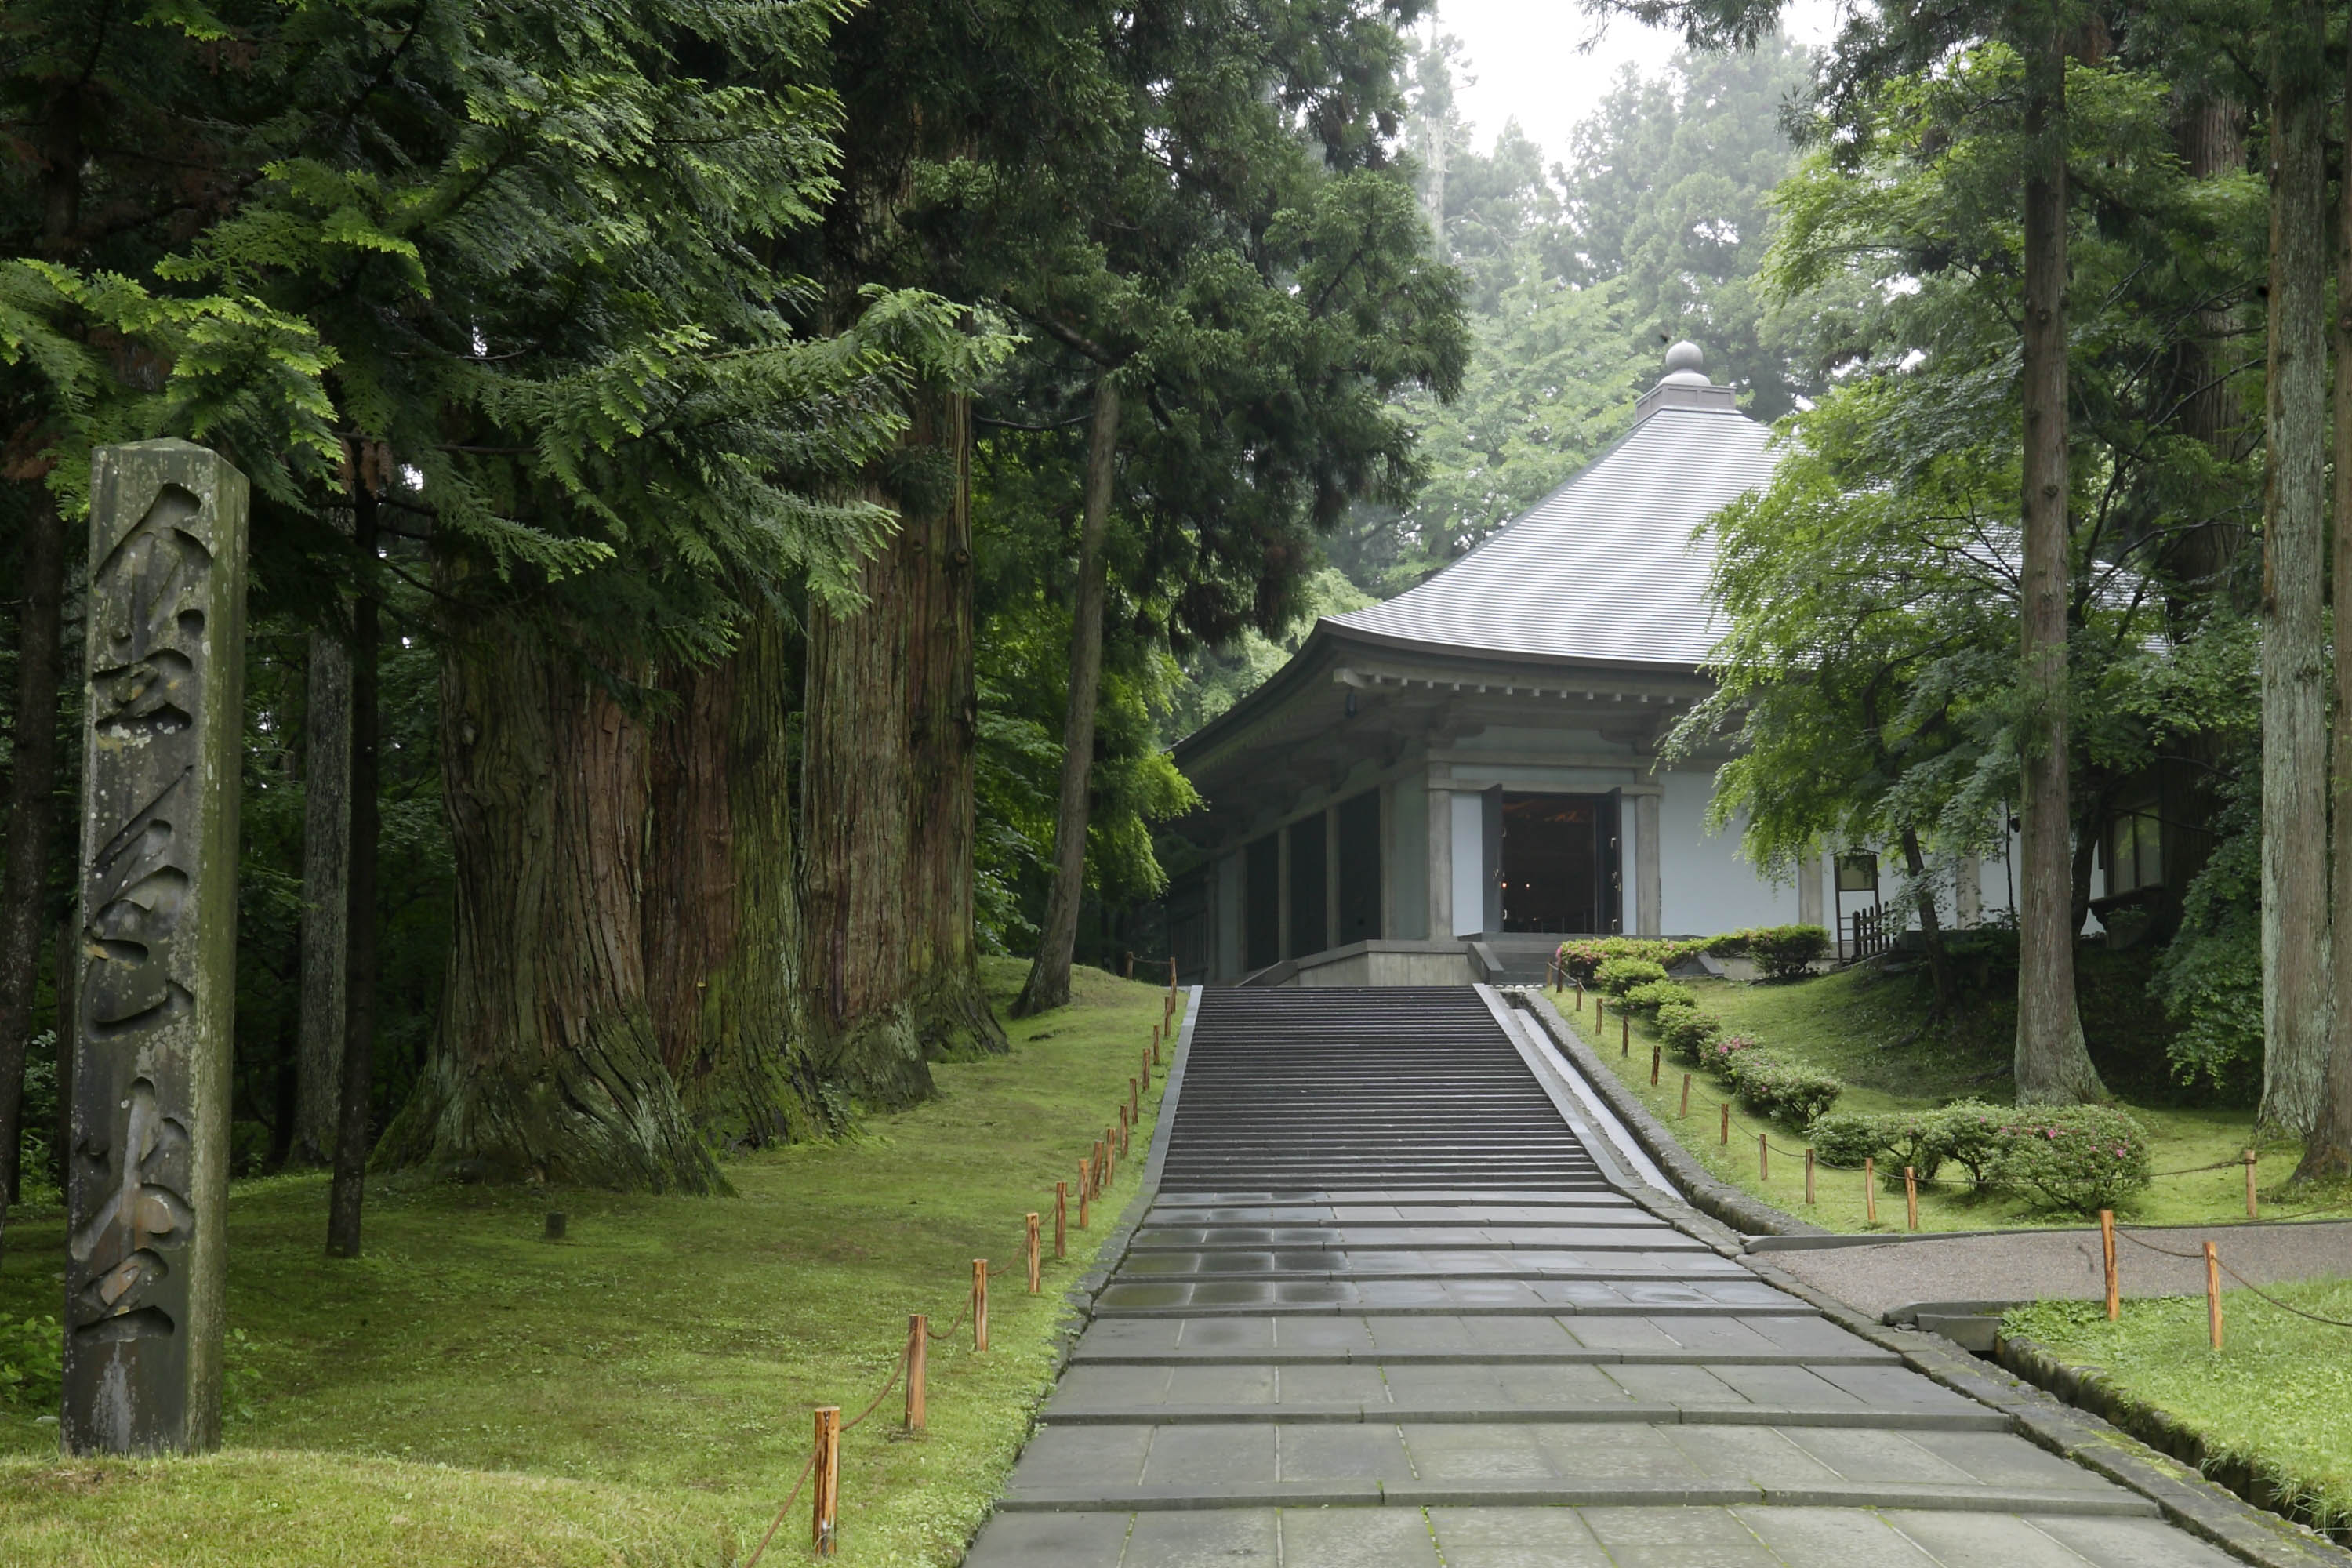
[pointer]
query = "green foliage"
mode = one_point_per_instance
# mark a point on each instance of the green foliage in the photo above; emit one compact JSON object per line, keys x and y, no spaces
{"x":2082,"y":1158}
{"x":1787,"y":1091}
{"x":1649,"y":996}
{"x":1580,"y":960}
{"x":1686,"y":1031}
{"x":1842,"y":1139}
{"x":1784,"y":953}
{"x":2210,"y":977}
{"x":32,"y":1362}
{"x":1616,"y":976}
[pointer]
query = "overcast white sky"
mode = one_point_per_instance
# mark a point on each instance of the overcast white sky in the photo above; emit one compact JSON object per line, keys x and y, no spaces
{"x":1526,"y":58}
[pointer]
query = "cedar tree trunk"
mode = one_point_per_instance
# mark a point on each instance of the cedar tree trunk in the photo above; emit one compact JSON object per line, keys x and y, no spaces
{"x":32,"y":781}
{"x":2298,"y":1004}
{"x":721,"y":921}
{"x":2328,"y":1151}
{"x":356,"y":1077}
{"x":1049,"y":972}
{"x":544,"y":1066}
{"x":326,"y":899}
{"x":951,"y":1015}
{"x":2052,"y":1066}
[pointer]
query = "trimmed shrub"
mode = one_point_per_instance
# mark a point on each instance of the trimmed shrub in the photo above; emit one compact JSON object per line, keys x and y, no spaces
{"x":1783,"y":952}
{"x":1846,"y":1137}
{"x":1919,"y":1139}
{"x":1685,"y":1030}
{"x":1794,"y":1094}
{"x":1971,"y":1137}
{"x":1722,"y":1048}
{"x":2080,"y":1157}
{"x":1582,"y":960}
{"x":1646,"y":999}
{"x":1619,"y":975}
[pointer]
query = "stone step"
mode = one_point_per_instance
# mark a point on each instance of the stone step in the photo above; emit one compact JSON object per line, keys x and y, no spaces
{"x":1973,"y":1418}
{"x":2051,"y":1501}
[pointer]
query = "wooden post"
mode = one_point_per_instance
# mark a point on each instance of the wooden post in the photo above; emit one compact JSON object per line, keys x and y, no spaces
{"x":1130,"y":966}
{"x":1122,"y":1129}
{"x":1763,"y":1159}
{"x":1144,"y":1069}
{"x":1035,"y":1261}
{"x":1657,"y":1056}
{"x":1171,"y":974}
{"x":1580,"y":998}
{"x":1625,"y":1033}
{"x":1870,"y":1189}
{"x":1686,"y":1110}
{"x":1094,"y":1171}
{"x":1082,"y":1208}
{"x":918,"y":1348}
{"x":2253,"y":1210}
{"x":1809,"y":1177}
{"x":2214,"y":1294}
{"x":2108,"y":1256}
{"x":824,"y":1479}
{"x":1110,"y":1161}
{"x":980,"y":1303}
{"x":1911,"y":1195}
{"x":1134,"y":1102}
{"x":1061,"y":1219}
{"x":1600,"y":1007}
{"x":1085,"y":1185}
{"x":1155,"y":1044}
{"x":1727,"y":1124}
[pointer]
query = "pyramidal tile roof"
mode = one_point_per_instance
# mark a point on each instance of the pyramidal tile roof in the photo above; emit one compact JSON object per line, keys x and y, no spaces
{"x":1605,"y":569}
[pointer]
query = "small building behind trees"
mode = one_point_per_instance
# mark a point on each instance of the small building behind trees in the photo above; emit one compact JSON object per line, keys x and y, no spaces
{"x":1440,"y":788}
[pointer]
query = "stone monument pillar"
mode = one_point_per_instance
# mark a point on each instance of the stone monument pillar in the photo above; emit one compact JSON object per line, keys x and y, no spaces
{"x":147,"y":1165}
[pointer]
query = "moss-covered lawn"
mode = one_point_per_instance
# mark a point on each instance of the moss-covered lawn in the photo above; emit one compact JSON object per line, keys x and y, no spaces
{"x":640,"y":1393}
{"x":2273,"y":1397}
{"x":1868,"y":1030}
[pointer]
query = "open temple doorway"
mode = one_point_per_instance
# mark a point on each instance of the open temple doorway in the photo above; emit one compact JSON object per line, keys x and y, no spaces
{"x":1560,"y":864}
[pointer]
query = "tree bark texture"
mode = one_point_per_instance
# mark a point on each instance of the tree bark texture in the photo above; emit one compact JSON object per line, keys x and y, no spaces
{"x":1049,"y":972}
{"x":721,"y":919}
{"x":952,"y":1018}
{"x":32,"y":782}
{"x":326,"y":899}
{"x":355,"y":1074}
{"x":2328,"y":1151}
{"x":545,"y":1066}
{"x":1931,"y":927}
{"x":2210,"y":136}
{"x":2053,"y":1065}
{"x":2298,"y":1000}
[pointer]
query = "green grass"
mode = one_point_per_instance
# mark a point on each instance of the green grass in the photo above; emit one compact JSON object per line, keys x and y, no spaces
{"x":1868,"y":1030}
{"x":639,"y":1394}
{"x":2272,"y":1398}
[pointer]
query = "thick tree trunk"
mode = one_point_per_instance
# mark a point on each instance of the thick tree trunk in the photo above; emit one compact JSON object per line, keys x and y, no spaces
{"x":2052,"y":1066}
{"x":952,"y":1018}
{"x":356,"y":1077}
{"x":544,"y":1066}
{"x":326,"y":900}
{"x":2297,"y":996}
{"x":720,"y":914}
{"x":32,"y":781}
{"x":2328,"y":1151}
{"x":1049,"y":972}
{"x":2212,"y":138}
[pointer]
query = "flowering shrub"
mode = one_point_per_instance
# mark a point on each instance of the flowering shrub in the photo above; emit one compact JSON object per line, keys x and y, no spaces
{"x":1648,"y":997}
{"x":1581,"y":961}
{"x":2081,"y":1157}
{"x":1685,"y":1030}
{"x":1719,"y":1051}
{"x":1619,"y":975}
{"x":1846,"y":1137}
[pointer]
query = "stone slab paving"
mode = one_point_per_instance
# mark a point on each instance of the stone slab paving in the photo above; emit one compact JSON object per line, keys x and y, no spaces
{"x":1885,"y":1278}
{"x":1383,"y":1376}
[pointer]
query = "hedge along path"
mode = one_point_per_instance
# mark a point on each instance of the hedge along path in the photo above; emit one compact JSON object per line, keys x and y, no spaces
{"x":1096,"y":1176}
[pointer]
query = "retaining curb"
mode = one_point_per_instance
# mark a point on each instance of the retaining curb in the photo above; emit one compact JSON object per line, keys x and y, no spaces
{"x":2203,"y":1508}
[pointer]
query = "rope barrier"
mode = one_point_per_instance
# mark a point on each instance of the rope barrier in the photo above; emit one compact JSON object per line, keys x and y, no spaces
{"x":1130,"y":1120}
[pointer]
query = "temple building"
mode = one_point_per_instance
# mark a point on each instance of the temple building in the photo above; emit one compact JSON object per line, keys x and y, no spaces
{"x":1436,"y":789}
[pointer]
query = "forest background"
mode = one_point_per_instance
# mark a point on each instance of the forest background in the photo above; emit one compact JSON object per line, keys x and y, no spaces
{"x":746,"y":495}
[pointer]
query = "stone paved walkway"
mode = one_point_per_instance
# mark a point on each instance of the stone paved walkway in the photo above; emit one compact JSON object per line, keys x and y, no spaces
{"x":1372,"y":1376}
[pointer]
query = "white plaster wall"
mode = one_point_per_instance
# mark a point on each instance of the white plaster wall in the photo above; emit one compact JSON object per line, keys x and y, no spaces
{"x":1706,"y":887}
{"x":1408,"y":858}
{"x":1469,"y":837}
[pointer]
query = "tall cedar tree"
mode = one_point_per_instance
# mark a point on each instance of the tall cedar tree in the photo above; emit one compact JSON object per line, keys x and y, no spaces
{"x":2298,"y":1001}
{"x":2052,"y":1063}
